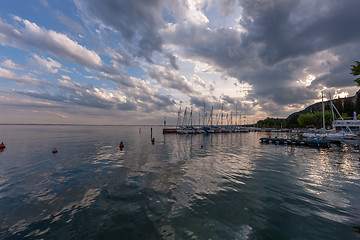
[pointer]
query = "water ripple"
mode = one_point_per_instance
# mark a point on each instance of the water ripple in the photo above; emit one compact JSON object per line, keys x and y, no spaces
{"x":232,"y":187}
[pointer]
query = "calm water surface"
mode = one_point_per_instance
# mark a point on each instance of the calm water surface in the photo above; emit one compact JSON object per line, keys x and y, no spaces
{"x":232,"y":188}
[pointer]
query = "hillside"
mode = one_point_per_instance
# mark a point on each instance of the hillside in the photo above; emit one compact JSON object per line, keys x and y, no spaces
{"x":347,"y":105}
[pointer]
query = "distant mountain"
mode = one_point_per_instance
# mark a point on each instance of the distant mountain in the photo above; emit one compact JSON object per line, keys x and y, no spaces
{"x":318,"y":106}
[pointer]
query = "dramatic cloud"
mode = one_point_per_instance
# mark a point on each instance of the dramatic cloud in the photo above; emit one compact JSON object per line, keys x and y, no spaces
{"x":134,"y":19}
{"x":275,"y":43}
{"x":56,"y":43}
{"x":137,"y":57}
{"x":170,"y":79}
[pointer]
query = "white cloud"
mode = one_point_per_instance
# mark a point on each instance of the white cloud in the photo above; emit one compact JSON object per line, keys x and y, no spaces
{"x":58,"y":44}
{"x":20,"y":80}
{"x":189,"y":11}
{"x":10,"y":64}
{"x":197,"y":80}
{"x":48,"y":64}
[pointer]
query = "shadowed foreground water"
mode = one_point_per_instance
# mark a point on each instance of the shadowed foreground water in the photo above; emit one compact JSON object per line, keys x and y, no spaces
{"x":232,"y":188}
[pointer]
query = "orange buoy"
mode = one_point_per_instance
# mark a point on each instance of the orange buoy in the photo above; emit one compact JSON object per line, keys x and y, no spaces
{"x":54,"y":150}
{"x":121,"y":145}
{"x":2,"y":145}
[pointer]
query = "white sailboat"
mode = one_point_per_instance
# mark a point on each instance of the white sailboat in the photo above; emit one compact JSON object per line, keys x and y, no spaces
{"x":331,"y":135}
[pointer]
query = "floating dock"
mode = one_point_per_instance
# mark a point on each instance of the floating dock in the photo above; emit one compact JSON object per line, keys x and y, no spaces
{"x":169,"y":130}
{"x":310,"y":143}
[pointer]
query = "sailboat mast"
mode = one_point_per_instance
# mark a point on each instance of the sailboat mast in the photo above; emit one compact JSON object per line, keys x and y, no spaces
{"x":185,"y":118}
{"x":323,"y":109}
{"x":236,"y":123}
{"x":204,"y":116}
{"x":222,"y":114}
{"x":199,"y":119}
{"x":347,"y":127}
{"x":332,"y":108}
{"x":179,"y":118}
{"x":190,"y":120}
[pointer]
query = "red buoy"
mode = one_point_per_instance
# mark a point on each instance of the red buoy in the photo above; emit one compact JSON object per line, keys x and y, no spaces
{"x":2,"y":145}
{"x":121,"y":145}
{"x":54,"y":150}
{"x":153,"y":140}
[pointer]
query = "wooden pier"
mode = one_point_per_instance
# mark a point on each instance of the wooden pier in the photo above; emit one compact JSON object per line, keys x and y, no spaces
{"x":310,"y":143}
{"x":169,"y":130}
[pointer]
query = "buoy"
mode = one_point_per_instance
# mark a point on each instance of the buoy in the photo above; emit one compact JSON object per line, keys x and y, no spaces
{"x":121,"y":145}
{"x":2,"y":145}
{"x":201,"y":146}
{"x":153,"y":140}
{"x":54,"y":150}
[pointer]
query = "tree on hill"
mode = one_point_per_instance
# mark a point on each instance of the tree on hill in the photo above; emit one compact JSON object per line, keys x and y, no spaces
{"x":355,"y":70}
{"x":314,"y":119}
{"x":348,"y":107}
{"x":357,"y":104}
{"x":270,"y":123}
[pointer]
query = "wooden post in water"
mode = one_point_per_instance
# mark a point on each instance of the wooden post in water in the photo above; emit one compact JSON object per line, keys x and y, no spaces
{"x":151,"y":133}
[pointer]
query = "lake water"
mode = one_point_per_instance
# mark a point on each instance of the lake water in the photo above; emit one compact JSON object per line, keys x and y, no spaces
{"x":233,"y":188}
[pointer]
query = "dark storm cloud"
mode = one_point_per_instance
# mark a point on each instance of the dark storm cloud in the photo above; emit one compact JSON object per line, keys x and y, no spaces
{"x":222,"y":47}
{"x":279,"y":41}
{"x":229,"y":104}
{"x":287,"y":29}
{"x":199,"y":101}
{"x":148,"y":100}
{"x":132,"y":18}
{"x":339,"y":73}
{"x":173,"y":62}
{"x":128,"y":106}
{"x":170,"y":79}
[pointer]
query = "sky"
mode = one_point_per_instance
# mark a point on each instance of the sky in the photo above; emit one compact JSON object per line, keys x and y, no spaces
{"x":141,"y":61}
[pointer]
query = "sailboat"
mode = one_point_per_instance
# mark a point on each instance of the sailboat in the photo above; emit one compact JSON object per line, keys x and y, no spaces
{"x":331,"y":135}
